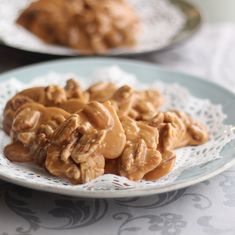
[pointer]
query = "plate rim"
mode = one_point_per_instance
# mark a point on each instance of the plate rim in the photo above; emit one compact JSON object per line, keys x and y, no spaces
{"x":102,"y":59}
{"x":172,"y":43}
{"x":121,"y":193}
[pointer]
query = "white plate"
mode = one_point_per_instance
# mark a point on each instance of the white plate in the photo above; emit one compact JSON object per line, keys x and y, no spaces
{"x":37,"y":178}
{"x":164,"y":24}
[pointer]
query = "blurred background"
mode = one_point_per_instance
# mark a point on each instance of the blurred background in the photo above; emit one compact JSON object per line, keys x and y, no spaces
{"x":209,"y":53}
{"x":216,"y":10}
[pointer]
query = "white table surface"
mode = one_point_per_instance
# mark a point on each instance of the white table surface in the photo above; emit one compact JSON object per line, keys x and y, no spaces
{"x":206,"y":208}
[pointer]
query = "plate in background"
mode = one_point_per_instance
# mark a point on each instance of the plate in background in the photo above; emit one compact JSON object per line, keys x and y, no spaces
{"x":171,"y":26}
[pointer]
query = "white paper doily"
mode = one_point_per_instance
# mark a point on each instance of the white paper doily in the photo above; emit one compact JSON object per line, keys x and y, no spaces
{"x":175,"y":96}
{"x":161,"y":21}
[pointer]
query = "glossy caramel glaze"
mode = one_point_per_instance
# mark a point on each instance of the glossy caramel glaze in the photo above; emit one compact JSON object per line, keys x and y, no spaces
{"x":70,"y":98}
{"x":10,"y":109}
{"x":112,"y":166}
{"x":163,"y":169}
{"x":31,"y":129}
{"x":72,"y":105}
{"x":83,"y":141}
{"x":176,"y":129}
{"x":82,"y":134}
{"x":140,"y":154}
{"x":16,"y":152}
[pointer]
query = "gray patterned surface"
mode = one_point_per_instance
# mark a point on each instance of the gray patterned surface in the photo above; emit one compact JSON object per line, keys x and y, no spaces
{"x":206,"y":208}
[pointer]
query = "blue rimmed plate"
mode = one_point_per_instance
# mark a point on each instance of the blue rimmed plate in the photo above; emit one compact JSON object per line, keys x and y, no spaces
{"x":147,"y":73}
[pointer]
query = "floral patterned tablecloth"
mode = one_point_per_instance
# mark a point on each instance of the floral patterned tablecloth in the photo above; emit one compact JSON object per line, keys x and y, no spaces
{"x":206,"y":208}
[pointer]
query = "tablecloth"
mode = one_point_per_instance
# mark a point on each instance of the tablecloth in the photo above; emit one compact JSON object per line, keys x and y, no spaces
{"x":206,"y":208}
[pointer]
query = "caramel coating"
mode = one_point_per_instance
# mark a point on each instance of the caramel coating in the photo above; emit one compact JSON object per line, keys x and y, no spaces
{"x":139,"y":105}
{"x":10,"y":109}
{"x":74,"y":91}
{"x":112,"y":166}
{"x":101,"y":91}
{"x":88,"y":26}
{"x":70,"y":98}
{"x":32,"y":127}
{"x":81,"y":144}
{"x":163,"y":169}
{"x":54,"y":95}
{"x":16,"y":152}
{"x":81,"y":135}
{"x":140,"y":155}
{"x":72,"y":105}
{"x":176,"y":129}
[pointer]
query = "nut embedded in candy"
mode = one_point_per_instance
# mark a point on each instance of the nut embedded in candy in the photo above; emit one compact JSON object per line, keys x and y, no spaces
{"x":140,"y":105}
{"x":82,"y":134}
{"x":74,"y":91}
{"x":140,"y":154}
{"x":176,"y":129}
{"x":10,"y":109}
{"x":54,"y":95}
{"x":32,"y":127}
{"x":101,"y":91}
{"x":71,"y":99}
{"x":83,"y":142}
